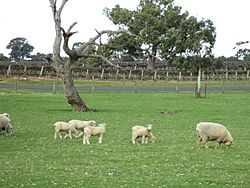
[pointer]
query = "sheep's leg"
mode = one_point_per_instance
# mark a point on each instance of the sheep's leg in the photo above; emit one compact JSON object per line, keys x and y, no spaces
{"x":206,"y":146}
{"x":70,"y":136}
{"x":133,"y":139}
{"x":152,"y":137}
{"x":143,"y":139}
{"x":81,"y":133}
{"x":60,"y":135}
{"x":100,"y":138}
{"x":84,"y":139}
{"x":88,"y":137}
{"x":55,"y":135}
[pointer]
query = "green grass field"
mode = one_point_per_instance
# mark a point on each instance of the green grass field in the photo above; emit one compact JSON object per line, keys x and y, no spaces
{"x":31,"y":157}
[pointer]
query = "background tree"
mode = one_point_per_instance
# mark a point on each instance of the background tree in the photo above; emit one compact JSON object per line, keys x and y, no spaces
{"x":151,"y":23}
{"x":84,"y":50}
{"x":193,"y":42}
{"x":243,"y":53}
{"x":40,"y":57}
{"x":20,"y":49}
{"x":161,"y":29}
{"x":3,"y":57}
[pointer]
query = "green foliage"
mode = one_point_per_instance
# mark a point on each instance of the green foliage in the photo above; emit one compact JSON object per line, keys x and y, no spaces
{"x":161,"y":29}
{"x":40,"y":57}
{"x":3,"y":57}
{"x":32,"y":157}
{"x":243,"y":53}
{"x":20,"y":49}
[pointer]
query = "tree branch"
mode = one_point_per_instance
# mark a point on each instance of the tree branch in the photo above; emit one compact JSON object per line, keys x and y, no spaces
{"x":104,"y":59}
{"x":66,"y":36}
{"x":91,"y":41}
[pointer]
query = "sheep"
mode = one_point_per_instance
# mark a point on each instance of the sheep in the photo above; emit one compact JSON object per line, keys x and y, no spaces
{"x":6,"y":115}
{"x":5,"y":124}
{"x":208,"y":131}
{"x":61,"y":126}
{"x":80,"y":125}
{"x":99,"y":130}
{"x":144,"y":132}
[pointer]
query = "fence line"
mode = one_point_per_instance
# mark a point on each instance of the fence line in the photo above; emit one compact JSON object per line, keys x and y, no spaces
{"x":121,"y":74}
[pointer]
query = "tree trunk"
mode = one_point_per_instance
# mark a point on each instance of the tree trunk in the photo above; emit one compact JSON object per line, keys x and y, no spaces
{"x":198,"y":84}
{"x":71,"y":93}
{"x":152,"y":58}
{"x":151,"y":63}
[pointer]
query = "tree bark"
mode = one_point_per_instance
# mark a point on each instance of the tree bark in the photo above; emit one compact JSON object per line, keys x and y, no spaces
{"x":71,"y":92}
{"x":152,"y":58}
{"x":64,"y":68}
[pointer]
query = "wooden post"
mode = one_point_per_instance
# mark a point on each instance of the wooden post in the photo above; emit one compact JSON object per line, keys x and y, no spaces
{"x":124,"y":76}
{"x":54,"y":88}
{"x":191,"y":76}
{"x":135,"y":86}
{"x":179,"y":76}
{"x":167,"y":76}
{"x":177,"y":89}
{"x":9,"y":70}
{"x":247,"y":74}
{"x":102,"y":74}
{"x":155,"y":75}
{"x":129,"y":76}
{"x":142,"y":73}
{"x":17,"y":79}
{"x":117,"y":72}
{"x":206,"y":89}
{"x":87,"y":73}
{"x":236,"y":75}
{"x":41,"y":71}
{"x":93,"y":84}
{"x":226,"y":74}
{"x":223,"y":86}
{"x":25,"y":69}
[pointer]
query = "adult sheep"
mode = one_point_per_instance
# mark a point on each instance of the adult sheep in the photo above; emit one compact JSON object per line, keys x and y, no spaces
{"x":144,"y":132}
{"x":209,"y":131}
{"x":5,"y":123}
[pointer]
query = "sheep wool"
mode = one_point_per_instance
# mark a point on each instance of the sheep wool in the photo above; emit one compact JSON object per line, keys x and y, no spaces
{"x":5,"y":124}
{"x":209,"y":131}
{"x":142,"y":131}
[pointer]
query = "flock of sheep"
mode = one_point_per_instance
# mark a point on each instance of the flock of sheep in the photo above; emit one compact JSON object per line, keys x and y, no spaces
{"x":205,"y":131}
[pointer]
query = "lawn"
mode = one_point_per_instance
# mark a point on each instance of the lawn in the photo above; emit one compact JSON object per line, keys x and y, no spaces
{"x":31,"y":157}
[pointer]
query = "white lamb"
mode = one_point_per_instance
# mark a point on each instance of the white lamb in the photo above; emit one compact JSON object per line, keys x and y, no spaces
{"x":80,"y":125}
{"x":99,"y":130}
{"x":144,"y":132}
{"x":5,"y":123}
{"x":208,"y":131}
{"x":61,"y":126}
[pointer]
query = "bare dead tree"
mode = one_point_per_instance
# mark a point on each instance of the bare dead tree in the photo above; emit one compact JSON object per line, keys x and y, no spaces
{"x":64,"y":69}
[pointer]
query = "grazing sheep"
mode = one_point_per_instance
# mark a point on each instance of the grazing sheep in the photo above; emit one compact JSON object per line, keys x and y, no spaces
{"x":208,"y":131}
{"x":64,"y":127}
{"x":99,"y":130}
{"x":80,"y":125}
{"x":5,"y":123}
{"x":144,"y":132}
{"x":6,"y":115}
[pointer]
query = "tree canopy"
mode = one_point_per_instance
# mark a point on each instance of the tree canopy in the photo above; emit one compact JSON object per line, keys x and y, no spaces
{"x":161,"y":29}
{"x":20,"y":49}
